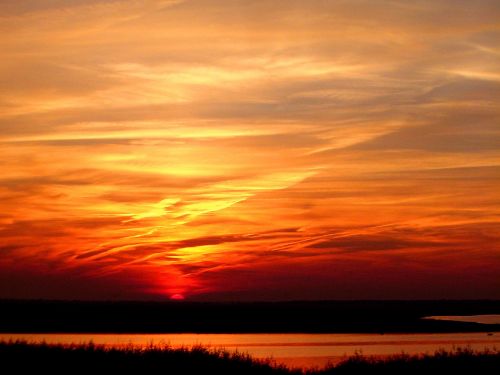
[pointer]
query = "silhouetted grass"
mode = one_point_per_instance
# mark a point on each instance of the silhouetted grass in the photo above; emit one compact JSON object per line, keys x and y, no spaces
{"x":457,"y":361}
{"x":21,"y":357}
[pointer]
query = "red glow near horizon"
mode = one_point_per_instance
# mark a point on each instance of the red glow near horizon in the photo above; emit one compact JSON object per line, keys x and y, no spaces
{"x":177,"y":297}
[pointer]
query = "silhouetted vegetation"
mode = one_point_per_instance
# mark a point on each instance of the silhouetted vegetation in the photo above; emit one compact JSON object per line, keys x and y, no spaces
{"x":20,"y":357}
{"x":458,"y":361}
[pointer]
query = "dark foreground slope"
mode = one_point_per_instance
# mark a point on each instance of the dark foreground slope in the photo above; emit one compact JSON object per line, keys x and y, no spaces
{"x":163,"y":317}
{"x":460,"y":361}
{"x":23,"y":358}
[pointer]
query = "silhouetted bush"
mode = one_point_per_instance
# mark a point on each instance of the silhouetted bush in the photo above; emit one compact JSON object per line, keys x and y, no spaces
{"x":21,"y":357}
{"x":458,"y":361}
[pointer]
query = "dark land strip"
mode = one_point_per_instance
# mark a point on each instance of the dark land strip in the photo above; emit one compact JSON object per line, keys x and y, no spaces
{"x":18,"y":316}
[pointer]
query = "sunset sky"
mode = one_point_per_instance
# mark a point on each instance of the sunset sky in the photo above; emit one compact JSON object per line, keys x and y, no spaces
{"x":249,"y":150}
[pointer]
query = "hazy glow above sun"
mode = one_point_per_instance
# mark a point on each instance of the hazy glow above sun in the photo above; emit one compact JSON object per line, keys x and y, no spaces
{"x":177,"y":297}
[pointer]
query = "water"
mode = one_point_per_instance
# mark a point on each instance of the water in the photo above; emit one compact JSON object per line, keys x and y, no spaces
{"x":302,"y":350}
{"x":484,"y":319}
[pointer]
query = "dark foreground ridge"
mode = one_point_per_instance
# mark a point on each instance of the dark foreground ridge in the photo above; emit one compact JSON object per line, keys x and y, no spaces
{"x":267,"y":317}
{"x":24,"y":358}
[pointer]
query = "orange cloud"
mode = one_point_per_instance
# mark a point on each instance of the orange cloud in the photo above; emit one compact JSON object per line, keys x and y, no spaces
{"x":220,"y":149}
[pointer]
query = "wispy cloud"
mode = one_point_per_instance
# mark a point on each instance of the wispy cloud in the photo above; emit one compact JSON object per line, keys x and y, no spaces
{"x":219,"y":149}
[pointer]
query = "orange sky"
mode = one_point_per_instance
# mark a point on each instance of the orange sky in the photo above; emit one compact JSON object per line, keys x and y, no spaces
{"x":249,"y":149}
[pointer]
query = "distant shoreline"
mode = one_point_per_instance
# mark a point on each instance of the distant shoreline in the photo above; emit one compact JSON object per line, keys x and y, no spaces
{"x":17,"y":316}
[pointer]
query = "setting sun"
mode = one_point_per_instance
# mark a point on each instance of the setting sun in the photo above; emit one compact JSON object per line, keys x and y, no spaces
{"x":177,"y":297}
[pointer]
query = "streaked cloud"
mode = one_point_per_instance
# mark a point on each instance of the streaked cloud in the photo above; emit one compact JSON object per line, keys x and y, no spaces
{"x":249,"y":149}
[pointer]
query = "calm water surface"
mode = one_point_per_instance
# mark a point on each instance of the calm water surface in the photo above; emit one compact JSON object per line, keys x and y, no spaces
{"x":291,"y":349}
{"x":484,"y":319}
